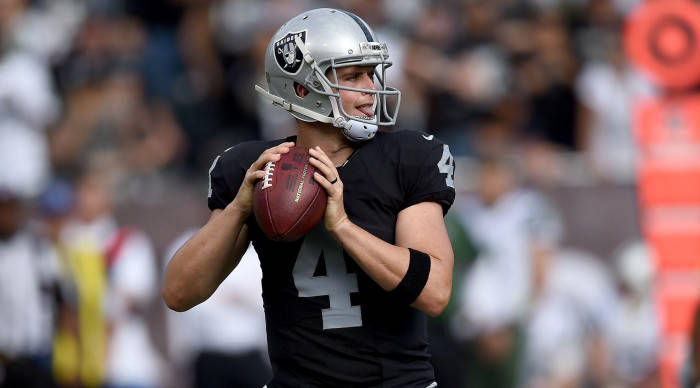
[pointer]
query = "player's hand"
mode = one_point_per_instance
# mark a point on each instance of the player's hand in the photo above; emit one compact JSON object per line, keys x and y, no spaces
{"x":335,"y":210}
{"x":244,"y":199}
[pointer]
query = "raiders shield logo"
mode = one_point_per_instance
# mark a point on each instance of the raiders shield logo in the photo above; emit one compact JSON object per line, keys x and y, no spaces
{"x":287,"y":53}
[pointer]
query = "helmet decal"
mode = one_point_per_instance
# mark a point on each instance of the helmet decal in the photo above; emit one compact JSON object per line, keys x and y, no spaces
{"x":287,"y":54}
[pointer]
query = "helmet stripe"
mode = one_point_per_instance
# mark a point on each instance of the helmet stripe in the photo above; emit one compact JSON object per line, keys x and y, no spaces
{"x":362,"y":25}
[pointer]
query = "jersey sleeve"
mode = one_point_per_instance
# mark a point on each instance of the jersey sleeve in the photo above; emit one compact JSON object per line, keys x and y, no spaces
{"x":228,"y":170}
{"x":225,"y":177}
{"x":427,"y":170}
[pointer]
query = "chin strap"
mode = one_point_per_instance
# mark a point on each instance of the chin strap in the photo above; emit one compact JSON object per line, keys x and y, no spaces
{"x":355,"y":130}
{"x":288,"y":106}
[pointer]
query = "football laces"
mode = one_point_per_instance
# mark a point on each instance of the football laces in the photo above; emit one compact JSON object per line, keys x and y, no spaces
{"x":269,"y":171}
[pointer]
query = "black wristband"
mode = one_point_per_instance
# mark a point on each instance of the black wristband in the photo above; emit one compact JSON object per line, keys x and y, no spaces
{"x":414,"y":281}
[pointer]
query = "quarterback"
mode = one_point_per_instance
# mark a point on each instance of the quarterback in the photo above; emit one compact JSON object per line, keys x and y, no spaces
{"x":345,"y":305}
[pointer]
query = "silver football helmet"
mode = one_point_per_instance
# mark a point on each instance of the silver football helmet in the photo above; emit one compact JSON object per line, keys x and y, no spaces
{"x":310,"y":45}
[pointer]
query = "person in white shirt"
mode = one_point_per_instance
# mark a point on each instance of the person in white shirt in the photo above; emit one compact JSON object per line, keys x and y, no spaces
{"x":117,"y":282}
{"x":28,"y":263}
{"x":222,"y":341}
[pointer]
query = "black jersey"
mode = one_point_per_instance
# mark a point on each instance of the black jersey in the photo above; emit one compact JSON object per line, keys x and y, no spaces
{"x":328,"y":323}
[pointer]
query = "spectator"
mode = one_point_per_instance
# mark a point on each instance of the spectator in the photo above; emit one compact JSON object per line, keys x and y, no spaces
{"x":108,"y":117}
{"x":512,"y":228}
{"x":607,"y":90}
{"x":632,"y":336}
{"x":547,"y":79}
{"x":115,"y":273}
{"x":565,"y":331}
{"x":29,"y":286}
{"x":26,"y":92}
{"x":222,"y":341}
{"x":448,"y":353}
{"x":55,"y":208}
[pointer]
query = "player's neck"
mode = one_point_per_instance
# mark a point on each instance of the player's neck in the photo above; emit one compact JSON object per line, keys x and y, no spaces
{"x":329,"y":138}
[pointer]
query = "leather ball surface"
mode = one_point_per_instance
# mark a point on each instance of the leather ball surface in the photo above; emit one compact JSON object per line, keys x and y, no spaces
{"x":288,"y":202}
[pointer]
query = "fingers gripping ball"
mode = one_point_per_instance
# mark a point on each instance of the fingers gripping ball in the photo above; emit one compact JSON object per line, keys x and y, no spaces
{"x":288,"y":202}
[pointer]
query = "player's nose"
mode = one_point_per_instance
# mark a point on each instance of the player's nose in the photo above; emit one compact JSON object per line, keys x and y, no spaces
{"x":368,"y":82}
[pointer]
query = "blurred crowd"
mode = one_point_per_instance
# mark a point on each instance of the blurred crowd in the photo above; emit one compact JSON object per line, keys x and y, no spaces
{"x":111,"y":112}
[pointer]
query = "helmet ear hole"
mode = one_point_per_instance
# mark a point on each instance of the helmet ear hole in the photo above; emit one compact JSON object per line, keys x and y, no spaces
{"x":300,"y":90}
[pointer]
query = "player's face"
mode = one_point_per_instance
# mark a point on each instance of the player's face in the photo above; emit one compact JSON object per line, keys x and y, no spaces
{"x":357,"y":104}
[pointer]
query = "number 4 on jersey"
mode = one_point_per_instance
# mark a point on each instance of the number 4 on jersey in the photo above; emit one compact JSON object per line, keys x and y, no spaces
{"x":446,"y":165}
{"x":337,"y":283}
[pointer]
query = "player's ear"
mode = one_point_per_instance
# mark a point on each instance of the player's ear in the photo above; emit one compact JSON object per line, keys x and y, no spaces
{"x":300,"y":90}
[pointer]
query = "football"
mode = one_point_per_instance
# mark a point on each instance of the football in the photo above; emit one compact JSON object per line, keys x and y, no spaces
{"x":287,"y":201}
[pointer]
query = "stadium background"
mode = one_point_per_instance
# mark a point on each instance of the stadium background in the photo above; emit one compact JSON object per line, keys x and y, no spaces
{"x":535,"y":98}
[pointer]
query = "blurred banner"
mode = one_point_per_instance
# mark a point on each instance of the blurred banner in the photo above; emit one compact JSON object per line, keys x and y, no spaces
{"x":663,"y":39}
{"x":668,"y":130}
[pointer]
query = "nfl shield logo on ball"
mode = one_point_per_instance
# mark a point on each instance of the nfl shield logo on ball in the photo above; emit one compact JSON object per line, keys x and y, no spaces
{"x":287,"y":54}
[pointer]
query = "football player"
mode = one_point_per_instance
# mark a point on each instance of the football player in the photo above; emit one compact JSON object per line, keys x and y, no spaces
{"x":345,"y":306}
